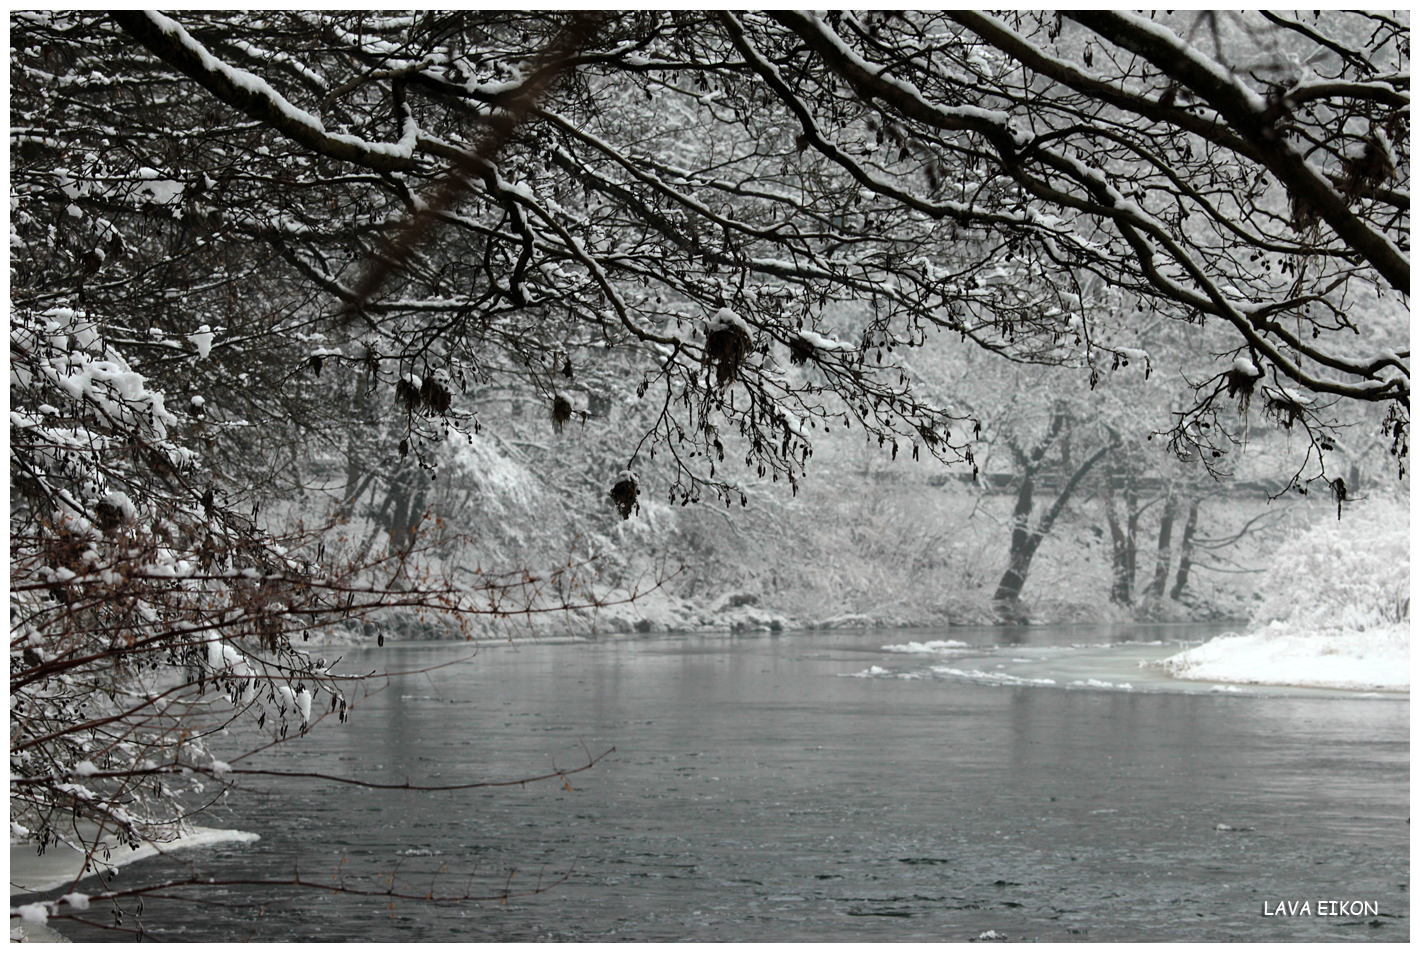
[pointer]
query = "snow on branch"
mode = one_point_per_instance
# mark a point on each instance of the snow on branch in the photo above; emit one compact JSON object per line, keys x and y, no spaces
{"x":1257,"y":120}
{"x":247,"y":92}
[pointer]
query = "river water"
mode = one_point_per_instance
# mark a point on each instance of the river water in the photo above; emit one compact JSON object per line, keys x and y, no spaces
{"x":814,"y":786}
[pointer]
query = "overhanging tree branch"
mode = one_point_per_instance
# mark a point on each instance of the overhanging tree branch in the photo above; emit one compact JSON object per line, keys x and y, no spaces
{"x":1259,"y":122}
{"x":245,"y":91}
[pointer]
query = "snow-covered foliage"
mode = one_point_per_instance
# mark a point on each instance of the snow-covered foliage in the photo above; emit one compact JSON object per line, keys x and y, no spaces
{"x":62,"y":453}
{"x":145,"y":615}
{"x":1352,"y":573}
{"x":687,"y":214}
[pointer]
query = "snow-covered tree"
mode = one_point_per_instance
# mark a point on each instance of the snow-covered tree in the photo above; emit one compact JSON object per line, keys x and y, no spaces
{"x":474,"y":196}
{"x":1351,"y":574}
{"x":137,"y":597}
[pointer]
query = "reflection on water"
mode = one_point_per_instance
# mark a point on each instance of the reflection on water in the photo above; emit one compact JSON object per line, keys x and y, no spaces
{"x":755,"y":794}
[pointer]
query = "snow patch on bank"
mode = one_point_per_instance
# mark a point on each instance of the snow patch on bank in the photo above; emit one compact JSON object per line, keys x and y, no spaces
{"x":1337,"y":612}
{"x":1285,"y":654}
{"x":61,"y":865}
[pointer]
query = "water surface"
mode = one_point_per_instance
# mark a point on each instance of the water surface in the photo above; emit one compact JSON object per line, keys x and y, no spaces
{"x":759,"y":793}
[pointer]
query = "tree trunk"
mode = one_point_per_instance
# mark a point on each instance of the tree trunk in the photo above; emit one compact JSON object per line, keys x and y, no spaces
{"x":358,"y":473}
{"x":1131,"y":522}
{"x":407,"y":493}
{"x":1121,"y":589}
{"x":1185,"y":552}
{"x":1018,"y":566}
{"x":1164,"y":556}
{"x":1026,"y":541}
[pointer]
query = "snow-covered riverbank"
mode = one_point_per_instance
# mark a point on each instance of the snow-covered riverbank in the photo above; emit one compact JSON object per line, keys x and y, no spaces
{"x":1376,"y":659}
{"x":61,"y":866}
{"x":1336,"y":612}
{"x":1298,"y":666}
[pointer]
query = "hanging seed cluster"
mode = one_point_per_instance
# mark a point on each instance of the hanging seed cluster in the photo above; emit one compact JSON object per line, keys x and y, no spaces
{"x":1240,"y":384}
{"x":624,"y":493}
{"x":727,"y":344}
{"x":1374,"y":166}
{"x":800,"y":351}
{"x":561,"y":412}
{"x":428,"y":395}
{"x":1284,"y":408}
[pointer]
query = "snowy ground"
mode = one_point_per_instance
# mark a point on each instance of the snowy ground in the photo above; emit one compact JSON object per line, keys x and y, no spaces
{"x":31,"y":873}
{"x":1283,"y":654}
{"x":61,"y":865}
{"x":1278,"y":658}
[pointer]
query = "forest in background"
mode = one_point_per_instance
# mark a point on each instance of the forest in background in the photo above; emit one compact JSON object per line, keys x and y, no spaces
{"x":868,"y":540}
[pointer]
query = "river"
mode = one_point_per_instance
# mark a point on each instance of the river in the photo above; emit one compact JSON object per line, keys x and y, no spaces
{"x":814,"y":786}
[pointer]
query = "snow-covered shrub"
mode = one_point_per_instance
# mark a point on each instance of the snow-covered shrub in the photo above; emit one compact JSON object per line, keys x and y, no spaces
{"x":147,"y":615}
{"x":1352,"y":573}
{"x":144,"y":614}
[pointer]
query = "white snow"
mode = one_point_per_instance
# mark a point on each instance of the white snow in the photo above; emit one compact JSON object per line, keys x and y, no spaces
{"x":819,"y":342}
{"x":60,"y":865}
{"x":202,"y":340}
{"x":35,"y":913}
{"x":159,"y":191}
{"x":1132,"y":353}
{"x":726,"y":318}
{"x":1337,"y":613}
{"x":1287,"y":394}
{"x":991,"y":678}
{"x":1100,"y":683}
{"x":1286,"y":654}
{"x":934,"y":647}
